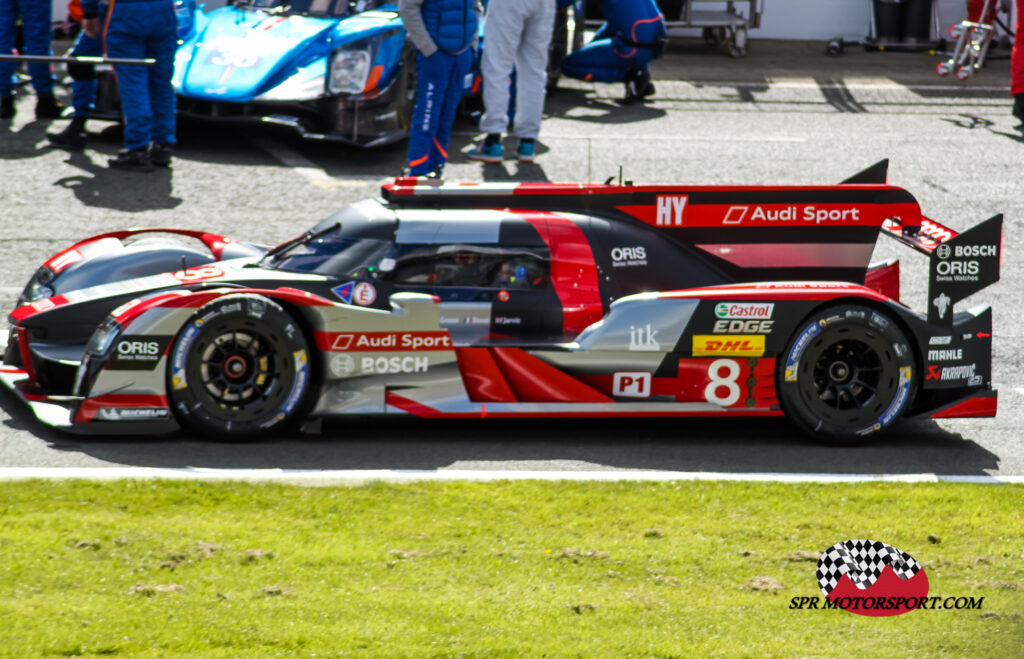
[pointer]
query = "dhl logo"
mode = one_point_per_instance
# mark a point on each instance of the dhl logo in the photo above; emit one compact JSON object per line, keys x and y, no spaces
{"x":741,"y":345}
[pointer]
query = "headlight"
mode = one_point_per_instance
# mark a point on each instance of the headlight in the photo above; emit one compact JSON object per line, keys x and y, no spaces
{"x":38,"y":288}
{"x":100,"y":343}
{"x":103,"y":337}
{"x":349,"y":71}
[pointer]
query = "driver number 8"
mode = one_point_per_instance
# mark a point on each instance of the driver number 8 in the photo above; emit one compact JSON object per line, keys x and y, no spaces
{"x":723,"y":374}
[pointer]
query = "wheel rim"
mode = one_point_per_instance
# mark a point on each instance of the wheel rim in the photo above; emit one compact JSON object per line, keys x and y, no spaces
{"x":239,"y":369}
{"x":848,"y":377}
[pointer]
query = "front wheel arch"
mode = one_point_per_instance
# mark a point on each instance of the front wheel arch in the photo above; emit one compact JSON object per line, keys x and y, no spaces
{"x":240,"y":368}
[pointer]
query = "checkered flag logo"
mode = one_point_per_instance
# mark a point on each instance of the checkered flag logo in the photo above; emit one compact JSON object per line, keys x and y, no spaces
{"x":863,"y":561}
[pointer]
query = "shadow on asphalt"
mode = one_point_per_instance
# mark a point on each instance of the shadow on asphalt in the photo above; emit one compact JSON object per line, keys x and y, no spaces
{"x":716,"y":445}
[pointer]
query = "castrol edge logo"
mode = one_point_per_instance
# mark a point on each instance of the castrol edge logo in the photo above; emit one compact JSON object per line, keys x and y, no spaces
{"x":744,"y":310}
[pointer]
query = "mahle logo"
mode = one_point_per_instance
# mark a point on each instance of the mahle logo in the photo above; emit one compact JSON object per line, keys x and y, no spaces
{"x":744,"y":310}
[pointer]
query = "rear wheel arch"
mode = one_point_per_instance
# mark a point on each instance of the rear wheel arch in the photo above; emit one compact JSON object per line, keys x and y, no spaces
{"x":850,"y":369}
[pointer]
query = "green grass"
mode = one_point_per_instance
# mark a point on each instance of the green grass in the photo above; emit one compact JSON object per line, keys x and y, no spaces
{"x":508,"y":569}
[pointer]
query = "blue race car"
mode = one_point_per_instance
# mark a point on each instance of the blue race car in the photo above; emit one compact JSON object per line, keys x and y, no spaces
{"x":336,"y":70}
{"x":330,"y":69}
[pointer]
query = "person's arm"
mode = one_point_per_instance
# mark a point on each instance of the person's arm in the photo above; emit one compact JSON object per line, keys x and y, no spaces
{"x":412,"y":18}
{"x":478,"y":7}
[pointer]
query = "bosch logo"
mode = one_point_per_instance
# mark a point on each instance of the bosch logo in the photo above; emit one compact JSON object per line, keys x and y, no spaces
{"x":973,"y":251}
{"x":943,"y":251}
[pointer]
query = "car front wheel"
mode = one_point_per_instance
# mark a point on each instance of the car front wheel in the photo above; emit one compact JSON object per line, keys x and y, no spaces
{"x":238,"y":368}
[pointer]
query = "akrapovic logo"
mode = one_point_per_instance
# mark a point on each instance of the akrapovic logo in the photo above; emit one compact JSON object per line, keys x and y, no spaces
{"x":744,"y":310}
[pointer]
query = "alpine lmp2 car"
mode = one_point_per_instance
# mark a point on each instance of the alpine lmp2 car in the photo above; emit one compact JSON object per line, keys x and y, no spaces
{"x":533,"y":299}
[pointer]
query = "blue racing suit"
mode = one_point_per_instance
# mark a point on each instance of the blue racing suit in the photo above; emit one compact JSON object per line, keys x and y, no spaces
{"x":38,"y":32}
{"x":83,"y":92}
{"x":444,"y":32}
{"x":633,"y":35}
{"x":137,"y":29}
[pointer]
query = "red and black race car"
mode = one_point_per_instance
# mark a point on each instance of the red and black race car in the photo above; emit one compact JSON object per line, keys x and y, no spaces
{"x":534,"y":299}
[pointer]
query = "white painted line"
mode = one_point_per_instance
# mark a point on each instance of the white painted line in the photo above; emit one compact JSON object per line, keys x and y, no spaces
{"x":357,"y":476}
{"x":551,"y":137}
{"x":851,"y":85}
{"x":307,"y":168}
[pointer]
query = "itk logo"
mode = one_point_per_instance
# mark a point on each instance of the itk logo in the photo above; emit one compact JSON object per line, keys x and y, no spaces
{"x":643,"y":338}
{"x":631,"y":385}
{"x":670,"y":210}
{"x":871,"y":578}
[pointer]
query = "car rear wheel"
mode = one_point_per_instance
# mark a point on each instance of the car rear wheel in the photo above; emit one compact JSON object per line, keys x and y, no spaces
{"x":847,"y":374}
{"x":238,"y":368}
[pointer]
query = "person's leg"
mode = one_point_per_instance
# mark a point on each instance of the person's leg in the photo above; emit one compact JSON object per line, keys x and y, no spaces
{"x":38,"y":32}
{"x":8,"y":26}
{"x":531,"y":68}
{"x":83,"y":92}
{"x":430,"y":74}
{"x":1017,"y":65}
{"x":502,"y":34}
{"x":161,"y":46}
{"x":595,"y":62}
{"x":127,"y":23}
{"x":459,"y":67}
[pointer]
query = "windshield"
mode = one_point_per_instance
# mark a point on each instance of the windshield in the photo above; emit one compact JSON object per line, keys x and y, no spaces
{"x":335,"y":256}
{"x":322,"y":8}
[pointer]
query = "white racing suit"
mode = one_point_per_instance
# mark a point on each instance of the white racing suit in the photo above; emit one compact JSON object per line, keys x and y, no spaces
{"x":517,"y":34}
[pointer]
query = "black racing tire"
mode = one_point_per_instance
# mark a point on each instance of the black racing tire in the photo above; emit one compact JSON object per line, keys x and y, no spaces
{"x":238,"y":369}
{"x":847,"y":374}
{"x":558,"y":47}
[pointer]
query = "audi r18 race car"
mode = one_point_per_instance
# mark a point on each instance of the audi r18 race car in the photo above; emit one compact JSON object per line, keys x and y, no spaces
{"x":533,"y":299}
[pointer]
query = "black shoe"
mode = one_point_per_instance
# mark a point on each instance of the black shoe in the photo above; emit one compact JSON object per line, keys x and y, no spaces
{"x":132,"y":160}
{"x":161,"y":154}
{"x":1018,"y":106}
{"x":437,"y":174}
{"x":47,"y":107}
{"x":72,"y":138}
{"x":638,"y":85}
{"x":7,"y":108}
